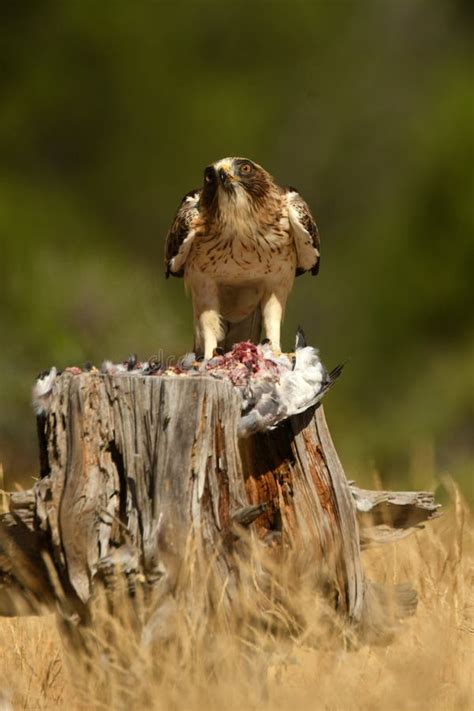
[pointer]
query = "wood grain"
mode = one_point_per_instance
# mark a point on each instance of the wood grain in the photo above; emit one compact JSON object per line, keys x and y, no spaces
{"x":133,"y":468}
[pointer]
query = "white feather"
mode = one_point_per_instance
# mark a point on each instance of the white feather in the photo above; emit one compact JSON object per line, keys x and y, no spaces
{"x":42,"y":391}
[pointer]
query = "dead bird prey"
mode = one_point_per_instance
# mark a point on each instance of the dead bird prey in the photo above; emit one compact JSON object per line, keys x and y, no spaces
{"x":272,"y":387}
{"x":239,"y":241}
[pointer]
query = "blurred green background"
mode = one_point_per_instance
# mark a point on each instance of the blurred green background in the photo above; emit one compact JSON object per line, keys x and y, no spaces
{"x":110,"y":111}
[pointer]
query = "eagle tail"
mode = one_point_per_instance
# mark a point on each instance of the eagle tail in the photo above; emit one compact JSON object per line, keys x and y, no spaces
{"x":247,"y":330}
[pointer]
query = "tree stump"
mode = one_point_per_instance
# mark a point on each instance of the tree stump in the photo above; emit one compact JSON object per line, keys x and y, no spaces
{"x":134,"y":467}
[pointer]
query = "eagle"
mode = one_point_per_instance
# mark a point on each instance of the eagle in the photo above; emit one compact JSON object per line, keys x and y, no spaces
{"x":239,"y":241}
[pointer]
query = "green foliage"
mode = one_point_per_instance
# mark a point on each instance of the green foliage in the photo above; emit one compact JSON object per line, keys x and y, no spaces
{"x":109,"y":113}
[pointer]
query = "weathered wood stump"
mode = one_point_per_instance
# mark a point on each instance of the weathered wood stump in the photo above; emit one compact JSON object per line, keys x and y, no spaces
{"x":134,"y":467}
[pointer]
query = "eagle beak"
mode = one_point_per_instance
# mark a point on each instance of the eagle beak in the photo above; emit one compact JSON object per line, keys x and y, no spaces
{"x":226,"y":177}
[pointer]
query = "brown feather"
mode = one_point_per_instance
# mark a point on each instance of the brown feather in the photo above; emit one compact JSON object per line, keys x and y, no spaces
{"x":182,"y":224}
{"x":307,"y":222}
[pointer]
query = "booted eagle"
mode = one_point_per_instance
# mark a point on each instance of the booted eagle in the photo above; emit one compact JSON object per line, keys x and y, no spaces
{"x":239,"y":241}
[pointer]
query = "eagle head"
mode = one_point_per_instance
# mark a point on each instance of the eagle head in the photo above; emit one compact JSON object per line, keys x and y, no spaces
{"x":235,"y":182}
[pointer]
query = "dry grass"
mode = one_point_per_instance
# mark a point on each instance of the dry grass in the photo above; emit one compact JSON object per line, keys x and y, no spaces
{"x":428,"y":667}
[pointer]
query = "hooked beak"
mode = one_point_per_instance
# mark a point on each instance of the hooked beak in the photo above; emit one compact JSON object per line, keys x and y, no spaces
{"x":226,"y":179}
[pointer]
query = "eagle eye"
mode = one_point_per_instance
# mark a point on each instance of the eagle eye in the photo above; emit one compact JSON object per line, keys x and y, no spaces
{"x":246,"y":168}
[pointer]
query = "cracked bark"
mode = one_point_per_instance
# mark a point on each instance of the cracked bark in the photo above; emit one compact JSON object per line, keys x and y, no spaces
{"x":134,"y":467}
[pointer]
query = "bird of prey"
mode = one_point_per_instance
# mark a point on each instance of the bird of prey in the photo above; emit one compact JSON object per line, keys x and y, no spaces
{"x":239,"y":241}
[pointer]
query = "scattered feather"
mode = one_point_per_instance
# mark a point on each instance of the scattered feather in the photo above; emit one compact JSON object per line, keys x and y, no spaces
{"x":273,"y":387}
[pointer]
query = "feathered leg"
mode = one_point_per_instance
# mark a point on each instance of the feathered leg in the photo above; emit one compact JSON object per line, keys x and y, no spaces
{"x":273,"y":309}
{"x":207,"y":322}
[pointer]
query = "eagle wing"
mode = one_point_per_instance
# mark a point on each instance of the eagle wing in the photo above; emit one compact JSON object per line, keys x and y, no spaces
{"x":305,"y":232}
{"x":181,"y":235}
